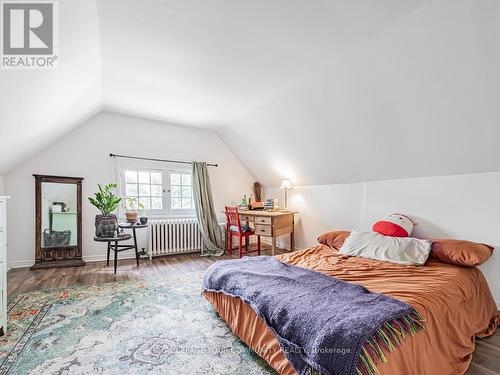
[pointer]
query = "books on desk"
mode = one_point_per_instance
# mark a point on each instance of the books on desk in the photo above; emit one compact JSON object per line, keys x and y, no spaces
{"x":271,"y":205}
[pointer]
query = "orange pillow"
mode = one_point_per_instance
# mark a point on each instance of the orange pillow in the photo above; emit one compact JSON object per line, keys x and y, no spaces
{"x":334,"y":239}
{"x":462,"y":253}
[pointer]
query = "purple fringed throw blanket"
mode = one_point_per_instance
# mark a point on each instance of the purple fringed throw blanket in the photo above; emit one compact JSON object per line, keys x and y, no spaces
{"x":321,"y":323}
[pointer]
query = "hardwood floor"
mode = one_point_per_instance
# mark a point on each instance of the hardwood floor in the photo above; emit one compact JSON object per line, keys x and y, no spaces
{"x":24,"y":280}
{"x":486,"y":359}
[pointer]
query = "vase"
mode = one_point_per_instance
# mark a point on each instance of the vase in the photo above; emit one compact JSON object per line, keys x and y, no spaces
{"x":131,"y":217}
{"x":106,"y":225}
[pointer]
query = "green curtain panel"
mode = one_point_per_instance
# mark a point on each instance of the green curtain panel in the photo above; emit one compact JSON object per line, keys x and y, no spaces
{"x":205,"y":211}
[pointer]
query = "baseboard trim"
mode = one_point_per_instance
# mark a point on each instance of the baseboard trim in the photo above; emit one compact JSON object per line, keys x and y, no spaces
{"x":102,"y":258}
{"x":20,"y":264}
{"x":89,"y":258}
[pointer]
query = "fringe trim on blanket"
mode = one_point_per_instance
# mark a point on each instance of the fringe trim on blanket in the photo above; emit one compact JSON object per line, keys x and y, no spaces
{"x":313,"y":372}
{"x":385,"y":340}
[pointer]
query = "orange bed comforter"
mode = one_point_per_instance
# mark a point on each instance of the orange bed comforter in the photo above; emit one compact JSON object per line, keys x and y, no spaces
{"x":455,"y":301}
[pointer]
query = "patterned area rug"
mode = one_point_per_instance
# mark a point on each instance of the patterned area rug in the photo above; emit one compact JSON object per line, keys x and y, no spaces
{"x":159,"y":326}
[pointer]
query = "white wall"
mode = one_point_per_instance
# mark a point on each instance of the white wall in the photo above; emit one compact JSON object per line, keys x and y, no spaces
{"x":39,"y":106}
{"x":2,"y":186}
{"x":419,"y":99}
{"x":461,"y":206}
{"x":85,"y":153}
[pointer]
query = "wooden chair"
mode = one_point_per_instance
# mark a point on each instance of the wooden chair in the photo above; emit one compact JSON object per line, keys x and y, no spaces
{"x":235,"y":229}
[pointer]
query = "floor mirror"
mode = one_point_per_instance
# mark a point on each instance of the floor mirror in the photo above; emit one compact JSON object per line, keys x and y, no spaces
{"x":58,"y":224}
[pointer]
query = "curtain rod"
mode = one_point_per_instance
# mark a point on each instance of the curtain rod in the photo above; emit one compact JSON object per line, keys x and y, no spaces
{"x":161,"y":160}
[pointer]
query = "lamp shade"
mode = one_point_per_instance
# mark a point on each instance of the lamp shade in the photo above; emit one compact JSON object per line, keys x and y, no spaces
{"x":286,"y":185}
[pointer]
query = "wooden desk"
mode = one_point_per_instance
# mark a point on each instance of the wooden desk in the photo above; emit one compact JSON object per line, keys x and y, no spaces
{"x":271,"y":224}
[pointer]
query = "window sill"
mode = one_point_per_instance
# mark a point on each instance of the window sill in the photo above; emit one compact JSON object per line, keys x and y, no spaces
{"x":163,"y":216}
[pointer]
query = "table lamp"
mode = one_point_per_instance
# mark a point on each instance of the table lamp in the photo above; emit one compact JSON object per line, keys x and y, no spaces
{"x":285,"y":186}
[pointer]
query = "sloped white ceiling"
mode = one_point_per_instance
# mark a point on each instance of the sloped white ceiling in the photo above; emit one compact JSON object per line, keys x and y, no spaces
{"x":36,"y":106}
{"x":420,"y":99}
{"x":206,"y":63}
{"x":192,"y":62}
{"x":320,"y":91}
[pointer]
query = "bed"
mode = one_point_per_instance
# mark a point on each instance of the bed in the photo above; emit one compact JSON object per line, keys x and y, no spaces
{"x":455,"y":302}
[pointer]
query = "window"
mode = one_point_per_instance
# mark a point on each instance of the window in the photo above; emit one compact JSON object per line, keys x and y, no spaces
{"x":144,"y":188}
{"x":162,"y":192}
{"x":181,"y":191}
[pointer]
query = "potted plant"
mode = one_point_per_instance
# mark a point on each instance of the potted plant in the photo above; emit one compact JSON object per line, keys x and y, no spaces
{"x":106,"y":202}
{"x":131,"y":209}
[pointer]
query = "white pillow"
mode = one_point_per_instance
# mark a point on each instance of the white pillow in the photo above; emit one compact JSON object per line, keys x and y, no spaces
{"x":401,"y":250}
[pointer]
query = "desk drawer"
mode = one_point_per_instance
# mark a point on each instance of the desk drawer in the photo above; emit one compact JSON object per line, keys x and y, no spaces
{"x":263,"y":230}
{"x":263,"y":220}
{"x":246,"y":218}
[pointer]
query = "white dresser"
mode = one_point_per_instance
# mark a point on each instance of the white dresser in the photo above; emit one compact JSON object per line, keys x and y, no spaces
{"x":3,"y":264}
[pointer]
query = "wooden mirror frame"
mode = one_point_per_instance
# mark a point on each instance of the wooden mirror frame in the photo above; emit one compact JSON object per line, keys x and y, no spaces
{"x":67,"y":256}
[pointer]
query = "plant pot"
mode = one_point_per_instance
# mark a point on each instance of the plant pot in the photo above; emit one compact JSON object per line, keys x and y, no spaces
{"x":105,"y":225}
{"x":131,"y":217}
{"x":143,"y":220}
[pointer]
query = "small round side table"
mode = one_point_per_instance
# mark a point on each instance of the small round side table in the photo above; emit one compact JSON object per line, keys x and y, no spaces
{"x":134,"y":226}
{"x":113,"y":245}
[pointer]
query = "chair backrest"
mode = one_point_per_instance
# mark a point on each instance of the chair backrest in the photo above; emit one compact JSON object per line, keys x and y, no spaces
{"x":233,"y":216}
